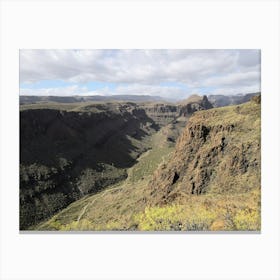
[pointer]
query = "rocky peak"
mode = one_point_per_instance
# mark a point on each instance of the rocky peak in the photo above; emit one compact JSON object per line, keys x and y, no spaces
{"x":194,"y":103}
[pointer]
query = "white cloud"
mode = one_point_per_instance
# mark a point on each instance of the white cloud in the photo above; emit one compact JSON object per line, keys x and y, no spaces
{"x":143,"y":71}
{"x":132,"y":89}
{"x":139,"y":89}
{"x":233,"y":79}
{"x":58,"y":91}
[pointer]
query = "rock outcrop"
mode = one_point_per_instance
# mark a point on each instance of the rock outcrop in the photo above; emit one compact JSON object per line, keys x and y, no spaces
{"x":192,"y":104}
{"x":161,"y":113}
{"x":218,"y":152}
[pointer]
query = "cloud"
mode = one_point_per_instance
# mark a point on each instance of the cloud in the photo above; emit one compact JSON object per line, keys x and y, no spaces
{"x":58,"y":91}
{"x":232,"y":79}
{"x":142,"y":71}
{"x":131,"y":89}
{"x":139,"y":89}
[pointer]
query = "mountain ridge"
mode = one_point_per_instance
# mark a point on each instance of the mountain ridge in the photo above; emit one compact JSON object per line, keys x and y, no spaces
{"x":206,"y":147}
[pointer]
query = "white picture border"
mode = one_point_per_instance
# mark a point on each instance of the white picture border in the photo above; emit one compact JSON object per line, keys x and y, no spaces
{"x":139,"y":24}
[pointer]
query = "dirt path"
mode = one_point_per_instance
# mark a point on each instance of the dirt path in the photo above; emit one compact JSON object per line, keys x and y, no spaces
{"x":122,"y":184}
{"x":97,"y":197}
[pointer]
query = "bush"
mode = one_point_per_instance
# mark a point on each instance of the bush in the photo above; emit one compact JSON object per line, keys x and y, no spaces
{"x":175,"y":217}
{"x":247,"y":219}
{"x":83,"y":224}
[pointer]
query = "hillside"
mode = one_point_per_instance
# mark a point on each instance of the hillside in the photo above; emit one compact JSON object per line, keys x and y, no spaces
{"x":65,"y":155}
{"x":218,"y":152}
{"x":209,"y":181}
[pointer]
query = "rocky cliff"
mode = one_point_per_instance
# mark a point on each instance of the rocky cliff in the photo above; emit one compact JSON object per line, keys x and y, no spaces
{"x":161,"y":113}
{"x":192,"y":104}
{"x":218,"y":152}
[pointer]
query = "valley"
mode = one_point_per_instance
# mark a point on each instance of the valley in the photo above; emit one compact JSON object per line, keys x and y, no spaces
{"x":151,"y":165}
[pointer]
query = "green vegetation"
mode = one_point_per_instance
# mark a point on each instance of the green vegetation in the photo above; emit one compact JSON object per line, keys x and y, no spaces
{"x":192,"y":213}
{"x":148,"y":162}
{"x":206,"y":212}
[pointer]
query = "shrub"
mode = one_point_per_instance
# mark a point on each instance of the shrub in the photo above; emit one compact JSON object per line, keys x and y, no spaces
{"x":160,"y":218}
{"x":247,"y":219}
{"x":83,"y":224}
{"x":175,"y":217}
{"x":201,"y":219}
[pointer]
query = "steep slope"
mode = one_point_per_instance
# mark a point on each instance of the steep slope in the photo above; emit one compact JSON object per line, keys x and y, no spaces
{"x":65,"y":155}
{"x":218,"y":152}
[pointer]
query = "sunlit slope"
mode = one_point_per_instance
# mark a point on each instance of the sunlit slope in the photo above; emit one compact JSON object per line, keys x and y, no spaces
{"x":218,"y":152}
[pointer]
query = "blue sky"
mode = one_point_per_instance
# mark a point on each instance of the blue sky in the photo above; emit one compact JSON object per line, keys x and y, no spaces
{"x":172,"y":73}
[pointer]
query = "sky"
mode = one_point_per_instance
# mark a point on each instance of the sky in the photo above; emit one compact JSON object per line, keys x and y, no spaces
{"x":169,"y":73}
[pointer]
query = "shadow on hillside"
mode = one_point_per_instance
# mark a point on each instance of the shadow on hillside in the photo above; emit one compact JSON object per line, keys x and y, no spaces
{"x":46,"y":136}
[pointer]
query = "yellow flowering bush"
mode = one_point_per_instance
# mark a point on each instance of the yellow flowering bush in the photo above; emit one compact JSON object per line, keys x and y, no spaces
{"x":175,"y":217}
{"x":247,"y":219}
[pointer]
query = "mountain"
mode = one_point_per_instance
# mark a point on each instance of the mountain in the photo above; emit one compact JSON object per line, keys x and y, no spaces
{"x":218,"y":152}
{"x":225,"y":100}
{"x":25,"y":99}
{"x":208,"y":180}
{"x":194,"y":103}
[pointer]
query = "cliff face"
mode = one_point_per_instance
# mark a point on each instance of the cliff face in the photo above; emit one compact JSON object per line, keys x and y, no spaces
{"x":65,"y":155}
{"x":218,"y":152}
{"x":192,"y":104}
{"x":162,"y":114}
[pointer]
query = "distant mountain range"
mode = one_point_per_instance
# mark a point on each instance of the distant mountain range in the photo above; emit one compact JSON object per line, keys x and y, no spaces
{"x":24,"y":99}
{"x":225,"y":100}
{"x":215,"y":100}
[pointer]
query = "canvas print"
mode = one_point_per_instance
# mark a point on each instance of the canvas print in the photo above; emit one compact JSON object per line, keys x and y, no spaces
{"x":140,"y":140}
